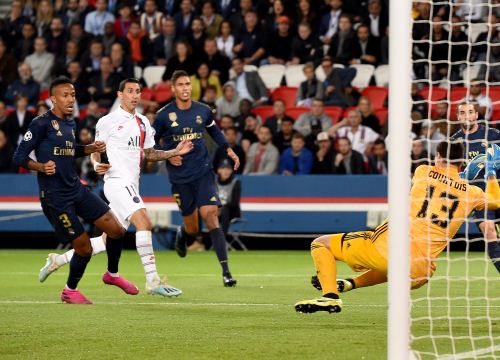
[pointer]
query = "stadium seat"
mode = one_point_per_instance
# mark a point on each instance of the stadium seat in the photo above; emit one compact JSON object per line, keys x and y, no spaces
{"x":364,"y":73}
{"x":272,"y":75}
{"x":163,"y":94}
{"x":473,"y":30}
{"x":44,"y":95}
{"x":152,"y":75}
{"x":345,"y":111}
{"x":320,"y":74}
{"x":494,"y":93}
{"x":470,"y":73}
{"x":263,"y":111}
{"x":335,"y":112}
{"x":377,"y":95}
{"x":382,"y":75}
{"x":294,"y":75}
{"x":433,"y":93}
{"x":147,"y":94}
{"x":247,"y":68}
{"x":381,"y":114}
{"x":457,"y":94}
{"x":138,"y":72}
{"x":295,"y":112}
{"x":285,"y":93}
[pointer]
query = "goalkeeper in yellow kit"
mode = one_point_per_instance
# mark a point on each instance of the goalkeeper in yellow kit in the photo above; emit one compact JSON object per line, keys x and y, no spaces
{"x":440,"y":203}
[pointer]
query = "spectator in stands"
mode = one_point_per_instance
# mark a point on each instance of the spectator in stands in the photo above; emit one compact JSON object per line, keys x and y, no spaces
{"x":473,"y":11}
{"x":182,"y":60}
{"x":343,"y":43}
{"x":421,"y":32}
{"x":347,"y":161}
{"x":262,"y":157}
{"x":446,"y":125}
{"x":274,"y":121}
{"x":325,"y":156}
{"x":6,"y":154}
{"x":84,"y":8}
{"x":103,"y":85}
{"x":95,"y":20}
{"x":122,"y":65}
{"x":309,"y":89}
{"x":249,"y":85}
{"x":92,"y":117}
{"x":77,"y":35}
{"x":225,"y":40}
{"x":245,"y":109}
{"x":431,"y":135}
{"x":150,"y":19}
{"x":124,"y":20}
{"x":419,"y":104}
{"x":41,"y":63}
{"x":91,"y":60}
{"x":164,"y":43}
{"x":330,"y":22}
{"x":337,"y":84}
{"x":184,"y":18}
{"x":26,"y":44}
{"x":304,"y":45}
{"x":490,"y":70}
{"x":227,"y":7}
{"x":44,"y":15}
{"x":366,"y":50}
{"x":297,"y":159}
{"x":229,"y":102}
{"x":41,"y":108}
{"x":15,"y":21}
{"x":377,"y":162}
{"x":229,"y":194}
{"x":210,"y":96}
{"x":169,"y":7}
{"x":218,"y":63}
{"x":139,"y":45}
{"x":480,"y":47}
{"x":485,"y":106}
{"x":283,"y":138}
{"x":439,"y":50}
{"x":231,"y":134}
{"x":250,"y":41}
{"x":368,"y":118}
{"x":210,"y":19}
{"x":24,"y":85}
{"x":56,"y":37}
{"x":419,"y":155}
{"x":71,"y":13}
{"x":8,"y":68}
{"x":3,"y":113}
{"x":109,"y":38}
{"x":251,"y":132}
{"x":384,"y":49}
{"x":62,"y":62}
{"x":314,"y":120}
{"x":377,"y":20}
{"x":18,"y":121}
{"x":269,"y":12}
{"x":197,"y":37}
{"x":278,"y":45}
{"x":237,"y":19}
{"x":361,"y":137}
{"x":306,"y":14}
{"x":80,"y":82}
{"x":201,"y":80}
{"x":459,"y":48}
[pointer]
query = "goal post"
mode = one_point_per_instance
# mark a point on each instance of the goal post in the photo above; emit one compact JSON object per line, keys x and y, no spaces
{"x":398,"y":333}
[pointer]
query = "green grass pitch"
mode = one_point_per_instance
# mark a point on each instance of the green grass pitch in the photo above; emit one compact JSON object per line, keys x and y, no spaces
{"x":255,"y":320}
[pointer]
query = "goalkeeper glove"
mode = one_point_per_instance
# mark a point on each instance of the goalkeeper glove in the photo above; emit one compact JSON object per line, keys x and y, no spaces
{"x":492,"y":160}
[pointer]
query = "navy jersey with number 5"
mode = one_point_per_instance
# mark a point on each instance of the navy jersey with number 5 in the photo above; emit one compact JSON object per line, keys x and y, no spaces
{"x":174,"y":125}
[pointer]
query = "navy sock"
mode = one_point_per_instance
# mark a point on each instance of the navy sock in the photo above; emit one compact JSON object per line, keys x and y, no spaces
{"x":114,"y":251}
{"x":494,"y":253}
{"x":220,"y":247}
{"x":352,"y":283}
{"x":77,"y":267}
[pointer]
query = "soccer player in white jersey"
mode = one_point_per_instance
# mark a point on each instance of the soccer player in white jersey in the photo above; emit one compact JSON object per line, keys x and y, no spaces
{"x":128,"y":137}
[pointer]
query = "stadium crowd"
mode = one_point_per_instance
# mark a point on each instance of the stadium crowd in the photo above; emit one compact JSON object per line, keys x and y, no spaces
{"x":315,"y":120}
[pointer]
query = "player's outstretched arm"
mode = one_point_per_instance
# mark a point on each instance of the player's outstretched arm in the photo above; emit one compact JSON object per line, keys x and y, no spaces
{"x":184,"y":147}
{"x":95,"y":147}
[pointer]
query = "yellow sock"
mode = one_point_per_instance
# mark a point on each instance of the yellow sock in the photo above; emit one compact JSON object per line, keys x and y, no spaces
{"x":370,"y":278}
{"x":324,"y":261}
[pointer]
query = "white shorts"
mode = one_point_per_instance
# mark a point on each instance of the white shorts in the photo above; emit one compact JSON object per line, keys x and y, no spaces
{"x":124,"y":199}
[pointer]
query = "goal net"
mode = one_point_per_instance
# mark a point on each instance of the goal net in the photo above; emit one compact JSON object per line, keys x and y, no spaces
{"x":455,"y":57}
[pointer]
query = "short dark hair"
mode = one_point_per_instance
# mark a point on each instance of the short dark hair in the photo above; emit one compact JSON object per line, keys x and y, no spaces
{"x":61,"y":80}
{"x":379,"y":142}
{"x":123,"y":83}
{"x":473,"y":103}
{"x":287,"y":119}
{"x":452,"y":151}
{"x":298,"y":135}
{"x":178,"y":74}
{"x":345,"y":138}
{"x":232,"y":128}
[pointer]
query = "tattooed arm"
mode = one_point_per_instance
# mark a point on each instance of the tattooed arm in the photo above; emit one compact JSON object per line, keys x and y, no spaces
{"x":183,"y":148}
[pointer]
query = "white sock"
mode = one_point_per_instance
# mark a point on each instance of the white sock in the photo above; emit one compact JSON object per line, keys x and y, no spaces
{"x":144,"y":245}
{"x":98,"y":246}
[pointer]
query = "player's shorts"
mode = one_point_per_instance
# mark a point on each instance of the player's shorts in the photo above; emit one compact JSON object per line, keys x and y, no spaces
{"x":124,"y":199}
{"x":198,"y":193}
{"x":63,"y":210}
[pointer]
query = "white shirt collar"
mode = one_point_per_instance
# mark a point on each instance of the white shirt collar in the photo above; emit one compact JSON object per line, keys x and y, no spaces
{"x":126,"y":113}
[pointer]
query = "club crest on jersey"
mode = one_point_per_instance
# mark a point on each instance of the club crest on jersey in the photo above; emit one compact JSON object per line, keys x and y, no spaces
{"x":199,"y":120}
{"x":173,"y":117}
{"x":55,"y":124}
{"x":484,"y":144}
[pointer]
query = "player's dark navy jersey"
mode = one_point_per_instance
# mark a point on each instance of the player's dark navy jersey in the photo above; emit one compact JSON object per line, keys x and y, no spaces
{"x":174,"y":125}
{"x":477,"y":143}
{"x":53,"y":139}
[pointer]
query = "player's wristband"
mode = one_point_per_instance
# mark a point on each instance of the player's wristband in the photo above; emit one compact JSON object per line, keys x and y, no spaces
{"x":95,"y":166}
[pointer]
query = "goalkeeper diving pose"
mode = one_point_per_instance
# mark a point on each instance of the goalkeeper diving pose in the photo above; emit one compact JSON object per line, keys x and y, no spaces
{"x":440,"y":202}
{"x":476,"y":138}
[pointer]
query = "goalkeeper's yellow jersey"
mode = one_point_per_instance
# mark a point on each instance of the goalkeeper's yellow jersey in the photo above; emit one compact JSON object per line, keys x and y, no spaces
{"x":440,"y":203}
